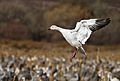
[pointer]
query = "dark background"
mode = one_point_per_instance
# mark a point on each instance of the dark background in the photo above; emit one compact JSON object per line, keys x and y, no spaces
{"x":30,"y":19}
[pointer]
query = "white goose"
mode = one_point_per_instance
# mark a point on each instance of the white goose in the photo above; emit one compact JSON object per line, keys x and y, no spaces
{"x":113,"y":76}
{"x":78,"y":36}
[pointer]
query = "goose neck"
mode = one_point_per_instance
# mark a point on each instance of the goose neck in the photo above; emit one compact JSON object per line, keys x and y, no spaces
{"x":58,"y":28}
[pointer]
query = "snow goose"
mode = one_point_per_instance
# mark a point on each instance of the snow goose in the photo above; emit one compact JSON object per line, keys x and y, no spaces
{"x":113,"y":76}
{"x":78,"y":36}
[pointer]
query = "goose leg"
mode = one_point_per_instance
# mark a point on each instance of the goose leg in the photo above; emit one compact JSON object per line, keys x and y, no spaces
{"x":82,"y":51}
{"x":73,"y":54}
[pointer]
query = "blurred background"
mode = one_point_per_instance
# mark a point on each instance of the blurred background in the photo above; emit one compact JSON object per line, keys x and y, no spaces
{"x":29,"y":20}
{"x":29,"y":52}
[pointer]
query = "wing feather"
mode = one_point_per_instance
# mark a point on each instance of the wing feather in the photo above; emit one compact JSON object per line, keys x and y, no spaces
{"x":100,"y":23}
{"x":84,"y":28}
{"x":83,"y":34}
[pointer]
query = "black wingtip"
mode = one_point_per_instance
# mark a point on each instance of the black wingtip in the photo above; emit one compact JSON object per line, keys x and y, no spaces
{"x":108,"y":19}
{"x":100,"y":23}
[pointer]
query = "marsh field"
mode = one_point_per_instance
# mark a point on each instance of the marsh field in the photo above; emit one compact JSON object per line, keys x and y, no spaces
{"x":49,"y":61}
{"x":56,"y":49}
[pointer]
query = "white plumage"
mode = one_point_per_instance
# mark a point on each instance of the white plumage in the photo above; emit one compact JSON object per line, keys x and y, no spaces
{"x":78,"y":36}
{"x":111,"y":77}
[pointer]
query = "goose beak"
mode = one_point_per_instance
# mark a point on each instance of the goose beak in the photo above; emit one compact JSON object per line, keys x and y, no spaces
{"x":48,"y":28}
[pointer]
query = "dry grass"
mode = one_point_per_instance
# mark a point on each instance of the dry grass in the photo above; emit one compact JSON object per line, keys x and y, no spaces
{"x":30,"y":48}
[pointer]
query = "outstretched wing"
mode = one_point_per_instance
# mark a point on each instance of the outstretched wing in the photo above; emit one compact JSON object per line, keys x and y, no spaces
{"x":83,"y":34}
{"x":84,"y":23}
{"x":100,"y":23}
{"x":84,"y":28}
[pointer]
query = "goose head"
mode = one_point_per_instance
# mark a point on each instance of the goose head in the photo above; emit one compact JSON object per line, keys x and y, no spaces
{"x":53,"y":27}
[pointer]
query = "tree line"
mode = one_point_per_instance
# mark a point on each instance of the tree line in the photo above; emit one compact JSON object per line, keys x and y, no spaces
{"x":23,"y":19}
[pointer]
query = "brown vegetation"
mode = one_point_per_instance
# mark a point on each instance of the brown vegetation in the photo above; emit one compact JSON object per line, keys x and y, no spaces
{"x":31,"y":48}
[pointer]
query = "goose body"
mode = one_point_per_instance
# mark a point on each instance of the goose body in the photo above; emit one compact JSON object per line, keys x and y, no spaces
{"x":81,"y":33}
{"x":71,"y":37}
